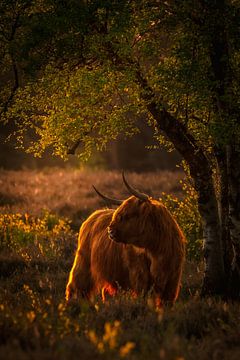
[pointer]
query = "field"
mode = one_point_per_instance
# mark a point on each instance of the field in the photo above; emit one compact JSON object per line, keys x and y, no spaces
{"x":40,"y":214}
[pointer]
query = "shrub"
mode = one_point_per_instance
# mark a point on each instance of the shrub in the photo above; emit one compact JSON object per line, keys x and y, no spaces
{"x":186,"y":213}
{"x":32,"y":237}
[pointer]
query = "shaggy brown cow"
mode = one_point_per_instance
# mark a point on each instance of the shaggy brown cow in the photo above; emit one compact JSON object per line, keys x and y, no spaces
{"x":139,"y":246}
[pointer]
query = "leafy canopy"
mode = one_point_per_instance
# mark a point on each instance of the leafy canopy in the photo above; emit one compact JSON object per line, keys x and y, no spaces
{"x":78,"y":70}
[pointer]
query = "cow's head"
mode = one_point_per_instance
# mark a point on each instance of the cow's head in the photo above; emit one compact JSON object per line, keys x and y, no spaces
{"x":128,"y":224}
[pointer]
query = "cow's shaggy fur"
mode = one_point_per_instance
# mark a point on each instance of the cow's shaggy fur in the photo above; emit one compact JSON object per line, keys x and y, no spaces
{"x":145,"y":252}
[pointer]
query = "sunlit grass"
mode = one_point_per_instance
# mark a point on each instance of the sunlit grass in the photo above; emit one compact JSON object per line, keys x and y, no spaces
{"x":34,"y":238}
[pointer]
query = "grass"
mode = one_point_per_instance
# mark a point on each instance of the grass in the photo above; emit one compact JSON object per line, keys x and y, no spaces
{"x":69,"y":192}
{"x":37,"y":245}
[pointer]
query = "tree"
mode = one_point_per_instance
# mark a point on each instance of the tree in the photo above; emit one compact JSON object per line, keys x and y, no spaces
{"x":108,"y":62}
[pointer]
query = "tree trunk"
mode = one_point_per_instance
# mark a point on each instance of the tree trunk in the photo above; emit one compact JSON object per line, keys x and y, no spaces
{"x":233,"y":157}
{"x":225,"y":102}
{"x":222,"y":186}
{"x":201,"y":172}
{"x":214,"y":279}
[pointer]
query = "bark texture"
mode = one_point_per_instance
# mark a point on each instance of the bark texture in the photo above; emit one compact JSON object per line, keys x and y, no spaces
{"x":234,"y":218}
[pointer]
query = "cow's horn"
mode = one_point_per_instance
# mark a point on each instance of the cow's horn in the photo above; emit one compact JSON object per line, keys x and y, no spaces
{"x":108,"y":199}
{"x":133,"y":191}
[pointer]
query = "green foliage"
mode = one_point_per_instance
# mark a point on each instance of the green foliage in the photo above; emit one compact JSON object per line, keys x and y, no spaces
{"x":81,"y":106}
{"x":34,"y":238}
{"x":79,"y":64}
{"x":185,"y":211}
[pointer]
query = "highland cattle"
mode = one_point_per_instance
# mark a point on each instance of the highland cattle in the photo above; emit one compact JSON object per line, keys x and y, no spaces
{"x":139,"y":247}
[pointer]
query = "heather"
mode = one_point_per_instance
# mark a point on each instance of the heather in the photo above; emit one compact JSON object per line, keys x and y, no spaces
{"x":40,"y":213}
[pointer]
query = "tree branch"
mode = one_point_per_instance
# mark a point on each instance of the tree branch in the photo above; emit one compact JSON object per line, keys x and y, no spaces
{"x":72,"y":150}
{"x":14,"y":88}
{"x":175,"y":131}
{"x":14,"y":66}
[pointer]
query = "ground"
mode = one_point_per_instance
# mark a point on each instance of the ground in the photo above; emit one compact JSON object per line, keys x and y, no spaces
{"x":40,"y":213}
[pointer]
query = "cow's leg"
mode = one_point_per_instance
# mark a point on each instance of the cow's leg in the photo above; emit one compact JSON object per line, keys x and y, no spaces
{"x":80,"y":283}
{"x":158,"y":272}
{"x":172,"y":288}
{"x":140,"y":280}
